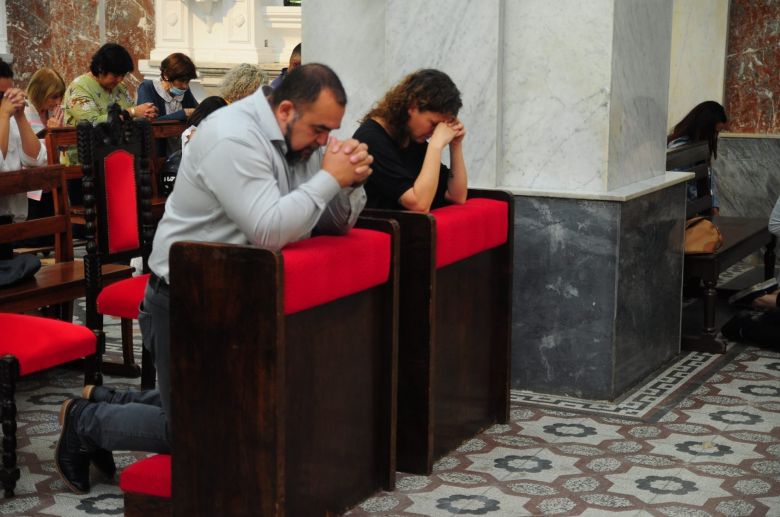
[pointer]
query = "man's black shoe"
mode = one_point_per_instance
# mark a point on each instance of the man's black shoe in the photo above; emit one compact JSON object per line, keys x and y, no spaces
{"x":71,"y":458}
{"x":103,"y":460}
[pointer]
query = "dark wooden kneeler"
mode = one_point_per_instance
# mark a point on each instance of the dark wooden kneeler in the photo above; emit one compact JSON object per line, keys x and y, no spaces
{"x":454,"y":339}
{"x":277,"y":413}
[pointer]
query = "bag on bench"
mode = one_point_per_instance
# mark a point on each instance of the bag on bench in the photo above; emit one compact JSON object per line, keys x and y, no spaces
{"x":701,"y":236}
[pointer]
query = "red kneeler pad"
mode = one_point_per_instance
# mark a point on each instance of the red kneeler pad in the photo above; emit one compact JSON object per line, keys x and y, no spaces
{"x":468,"y":229}
{"x":150,"y":476}
{"x":40,"y":343}
{"x":121,"y":299}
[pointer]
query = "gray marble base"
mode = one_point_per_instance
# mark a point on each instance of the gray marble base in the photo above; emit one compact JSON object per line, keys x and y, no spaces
{"x":596,"y":292}
{"x":747,"y":174}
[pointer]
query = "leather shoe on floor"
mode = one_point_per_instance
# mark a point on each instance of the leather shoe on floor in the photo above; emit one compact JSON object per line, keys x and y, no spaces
{"x":71,"y":458}
{"x":94,"y":393}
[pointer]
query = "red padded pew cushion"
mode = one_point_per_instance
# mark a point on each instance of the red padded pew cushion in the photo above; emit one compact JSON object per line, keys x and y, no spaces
{"x":40,"y":343}
{"x":150,"y":476}
{"x":325,"y":268}
{"x":468,"y":229}
{"x":121,"y":299}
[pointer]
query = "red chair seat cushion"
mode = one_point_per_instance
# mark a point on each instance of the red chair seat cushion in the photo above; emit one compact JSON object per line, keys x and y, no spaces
{"x":150,"y":476}
{"x":121,"y":299}
{"x":325,"y":268}
{"x":40,"y":343}
{"x":468,"y":229}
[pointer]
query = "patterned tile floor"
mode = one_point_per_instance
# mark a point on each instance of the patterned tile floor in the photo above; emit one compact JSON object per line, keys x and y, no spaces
{"x":701,"y":439}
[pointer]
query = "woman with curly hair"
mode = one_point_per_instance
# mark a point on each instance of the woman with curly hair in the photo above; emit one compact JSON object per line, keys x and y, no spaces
{"x":241,"y":81}
{"x":406,"y":133}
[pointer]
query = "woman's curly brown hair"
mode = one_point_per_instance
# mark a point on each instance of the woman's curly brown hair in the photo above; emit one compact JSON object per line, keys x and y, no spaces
{"x":427,"y":90}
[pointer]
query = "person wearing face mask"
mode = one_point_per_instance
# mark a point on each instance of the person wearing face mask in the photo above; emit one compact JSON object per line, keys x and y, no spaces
{"x":407,"y":132}
{"x":171,"y":92}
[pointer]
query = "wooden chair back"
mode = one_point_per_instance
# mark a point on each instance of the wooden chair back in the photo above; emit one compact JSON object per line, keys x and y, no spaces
{"x":48,"y":178}
{"x":117,"y":197}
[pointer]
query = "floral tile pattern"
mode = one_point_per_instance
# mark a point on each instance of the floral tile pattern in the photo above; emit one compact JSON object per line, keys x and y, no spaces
{"x":715,"y":452}
{"x":707,"y":445}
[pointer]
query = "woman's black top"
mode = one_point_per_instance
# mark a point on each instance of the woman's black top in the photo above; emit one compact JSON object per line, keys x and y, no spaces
{"x":395,"y":168}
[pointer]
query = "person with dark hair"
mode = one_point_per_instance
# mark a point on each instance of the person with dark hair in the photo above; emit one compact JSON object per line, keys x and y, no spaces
{"x":204,"y":109}
{"x":170,"y":93}
{"x":256,"y":173}
{"x":89,"y":96}
{"x":6,"y":76}
{"x":702,"y":123}
{"x":19,"y":146}
{"x":407,"y":132}
{"x":295,"y":61}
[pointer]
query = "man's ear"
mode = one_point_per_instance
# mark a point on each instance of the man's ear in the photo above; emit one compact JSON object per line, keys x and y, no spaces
{"x":285,"y":111}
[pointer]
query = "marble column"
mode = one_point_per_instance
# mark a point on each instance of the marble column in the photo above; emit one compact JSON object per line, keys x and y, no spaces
{"x":566,"y":106}
{"x":4,"y":52}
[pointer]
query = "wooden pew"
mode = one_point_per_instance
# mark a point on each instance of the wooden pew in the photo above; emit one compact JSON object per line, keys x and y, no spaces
{"x":455,"y":332}
{"x":64,"y":280}
{"x":280,"y":407}
{"x":742,"y":236}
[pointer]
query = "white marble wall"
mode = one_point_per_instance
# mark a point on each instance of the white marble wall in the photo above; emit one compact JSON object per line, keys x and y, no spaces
{"x":698,"y":58}
{"x":556,"y":87}
{"x":640,"y":80}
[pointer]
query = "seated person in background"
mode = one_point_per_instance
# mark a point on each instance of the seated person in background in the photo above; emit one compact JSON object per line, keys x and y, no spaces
{"x":170,"y":94}
{"x":89,"y":95}
{"x":295,"y":61}
{"x":45,"y":92}
{"x":703,"y":123}
{"x":18,"y":143}
{"x":204,"y":109}
{"x":257,"y":173}
{"x":44,"y":110}
{"x":240,"y":81}
{"x":406,"y":133}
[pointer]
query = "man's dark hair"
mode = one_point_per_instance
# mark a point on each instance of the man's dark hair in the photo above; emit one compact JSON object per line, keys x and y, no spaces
{"x":111,"y":58}
{"x":303,"y":85}
{"x":5,"y":70}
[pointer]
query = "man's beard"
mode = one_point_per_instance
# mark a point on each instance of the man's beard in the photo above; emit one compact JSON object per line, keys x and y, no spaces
{"x":301,"y":155}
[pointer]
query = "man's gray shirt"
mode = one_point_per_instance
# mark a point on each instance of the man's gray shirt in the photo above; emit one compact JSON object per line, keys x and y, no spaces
{"x":234,"y":185}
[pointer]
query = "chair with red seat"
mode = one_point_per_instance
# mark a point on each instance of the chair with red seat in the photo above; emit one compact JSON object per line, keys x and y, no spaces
{"x":454,"y":324}
{"x":119,"y":225}
{"x":283,"y":388}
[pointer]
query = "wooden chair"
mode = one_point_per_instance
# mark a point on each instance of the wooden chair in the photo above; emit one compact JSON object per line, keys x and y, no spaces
{"x":283,"y":389}
{"x":119,"y":226}
{"x":742,"y":236}
{"x":59,"y":283}
{"x":29,"y":344}
{"x":455,"y":323}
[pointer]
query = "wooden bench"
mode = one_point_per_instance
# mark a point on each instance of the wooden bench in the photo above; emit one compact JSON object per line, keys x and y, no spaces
{"x":742,"y":236}
{"x":283,"y":388}
{"x":455,"y":316}
{"x":63,"y":281}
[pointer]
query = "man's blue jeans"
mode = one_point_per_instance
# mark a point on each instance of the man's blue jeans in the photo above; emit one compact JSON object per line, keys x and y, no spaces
{"x":137,"y":420}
